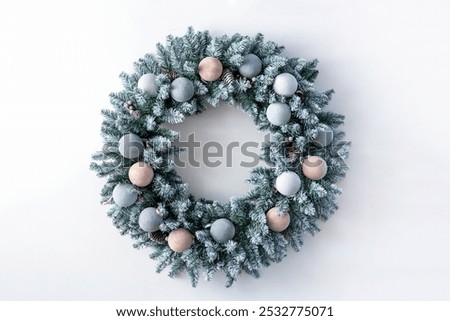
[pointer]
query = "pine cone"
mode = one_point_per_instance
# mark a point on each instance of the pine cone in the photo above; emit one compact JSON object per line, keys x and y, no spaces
{"x":291,"y":151}
{"x":158,"y":237}
{"x":300,"y":94}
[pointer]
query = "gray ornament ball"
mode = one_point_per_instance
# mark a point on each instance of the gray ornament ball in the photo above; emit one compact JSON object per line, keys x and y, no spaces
{"x":149,"y":219}
{"x":278,"y":113}
{"x":285,"y":84}
{"x":182,"y":89}
{"x":131,"y":146}
{"x":251,"y":67}
{"x":288,"y":183}
{"x":222,"y":230}
{"x":147,"y":83}
{"x":124,"y":195}
{"x":324,"y":137}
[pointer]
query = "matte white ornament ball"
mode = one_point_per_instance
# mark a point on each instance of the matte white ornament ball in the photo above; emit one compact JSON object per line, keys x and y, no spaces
{"x":124,"y":195}
{"x":276,"y":221}
{"x":210,"y":69}
{"x":182,"y":89}
{"x":140,"y":174}
{"x":149,"y":219}
{"x":288,"y":183}
{"x":147,"y":83}
{"x":222,"y":230}
{"x":180,"y":240}
{"x":314,"y":167}
{"x":251,"y":67}
{"x":285,"y":84}
{"x":324,"y":137}
{"x":131,"y":146}
{"x":278,"y":113}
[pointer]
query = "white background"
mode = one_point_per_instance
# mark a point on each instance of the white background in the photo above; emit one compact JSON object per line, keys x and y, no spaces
{"x":389,"y":64}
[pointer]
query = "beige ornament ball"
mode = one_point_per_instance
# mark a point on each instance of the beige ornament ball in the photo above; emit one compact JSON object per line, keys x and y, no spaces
{"x":140,"y":174}
{"x":210,"y":69}
{"x":314,"y":167}
{"x":277,"y":222}
{"x":180,"y":240}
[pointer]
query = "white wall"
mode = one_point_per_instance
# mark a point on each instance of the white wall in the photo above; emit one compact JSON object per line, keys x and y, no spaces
{"x":389,"y":64}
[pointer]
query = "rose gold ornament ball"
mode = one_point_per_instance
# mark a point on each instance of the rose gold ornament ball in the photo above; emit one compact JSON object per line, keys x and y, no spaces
{"x":210,"y":69}
{"x":314,"y":167}
{"x":140,"y":174}
{"x":277,"y":222}
{"x":180,"y":240}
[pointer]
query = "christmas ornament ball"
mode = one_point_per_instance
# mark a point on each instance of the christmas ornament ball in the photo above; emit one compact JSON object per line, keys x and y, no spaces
{"x":140,"y":174}
{"x":251,"y":67}
{"x":285,"y":84}
{"x":147,"y":83}
{"x":182,"y":89}
{"x":149,"y":219}
{"x":288,"y":183}
{"x":278,"y":113}
{"x":222,"y":230}
{"x":180,"y":240}
{"x":324,"y":137}
{"x":276,"y":221}
{"x":314,"y":167}
{"x":251,"y":232}
{"x":210,"y":69}
{"x":124,"y":195}
{"x":131,"y":146}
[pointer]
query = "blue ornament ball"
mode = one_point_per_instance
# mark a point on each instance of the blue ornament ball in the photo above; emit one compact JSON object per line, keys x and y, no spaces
{"x":251,"y":67}
{"x":131,"y":146}
{"x":278,"y":113}
{"x":182,"y":89}
{"x":324,"y":137}
{"x":288,"y":183}
{"x":147,"y":83}
{"x":222,"y":230}
{"x":149,"y":219}
{"x":124,"y":195}
{"x":285,"y":85}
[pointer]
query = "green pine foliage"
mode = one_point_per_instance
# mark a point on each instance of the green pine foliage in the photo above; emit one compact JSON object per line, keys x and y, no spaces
{"x":254,"y":245}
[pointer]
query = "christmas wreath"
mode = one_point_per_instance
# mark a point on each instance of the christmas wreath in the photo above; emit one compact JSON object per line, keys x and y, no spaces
{"x":151,"y":203}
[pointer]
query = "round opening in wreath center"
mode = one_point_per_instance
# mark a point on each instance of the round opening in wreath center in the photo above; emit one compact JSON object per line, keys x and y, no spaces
{"x":220,"y":148}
